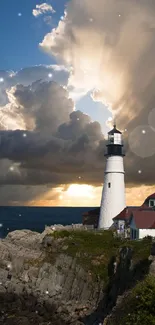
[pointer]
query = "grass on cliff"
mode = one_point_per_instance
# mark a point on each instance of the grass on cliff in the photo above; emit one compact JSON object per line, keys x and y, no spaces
{"x":138,"y":307}
{"x":94,"y":249}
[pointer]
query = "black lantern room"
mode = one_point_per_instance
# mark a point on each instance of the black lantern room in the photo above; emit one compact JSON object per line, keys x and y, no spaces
{"x":115,"y":143}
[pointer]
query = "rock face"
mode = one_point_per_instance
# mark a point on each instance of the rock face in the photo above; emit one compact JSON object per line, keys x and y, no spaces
{"x":57,"y":287}
{"x":26,"y":310}
{"x":146,"y":267}
{"x":24,"y":269}
{"x":123,"y":275}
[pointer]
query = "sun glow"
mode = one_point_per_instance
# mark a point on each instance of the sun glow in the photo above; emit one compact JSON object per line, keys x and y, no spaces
{"x":83,"y":195}
{"x":71,"y":195}
{"x":77,"y":190}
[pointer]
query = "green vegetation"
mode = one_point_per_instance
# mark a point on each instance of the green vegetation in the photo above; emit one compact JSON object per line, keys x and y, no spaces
{"x":61,"y":234}
{"x":139,"y":307}
{"x":94,"y":249}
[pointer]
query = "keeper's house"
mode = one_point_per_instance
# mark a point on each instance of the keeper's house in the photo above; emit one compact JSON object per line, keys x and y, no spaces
{"x":139,"y":219}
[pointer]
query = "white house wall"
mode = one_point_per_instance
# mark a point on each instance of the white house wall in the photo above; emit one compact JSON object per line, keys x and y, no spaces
{"x":121,"y":223}
{"x":146,"y":232}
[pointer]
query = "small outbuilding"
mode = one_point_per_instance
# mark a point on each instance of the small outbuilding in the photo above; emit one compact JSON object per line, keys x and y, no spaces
{"x":91,"y":217}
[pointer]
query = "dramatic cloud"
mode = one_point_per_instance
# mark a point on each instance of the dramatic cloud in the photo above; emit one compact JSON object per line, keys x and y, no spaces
{"x":29,"y":195}
{"x":43,"y":106}
{"x":110,"y":46}
{"x":55,"y":157}
{"x":42,"y":139}
{"x":26,"y":76}
{"x":108,"y":49}
{"x":42,"y":9}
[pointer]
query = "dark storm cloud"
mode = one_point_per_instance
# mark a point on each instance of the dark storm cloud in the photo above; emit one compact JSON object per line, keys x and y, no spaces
{"x":37,"y":159}
{"x":53,"y":158}
{"x":21,"y":194}
{"x":62,"y":144}
{"x":59,"y":143}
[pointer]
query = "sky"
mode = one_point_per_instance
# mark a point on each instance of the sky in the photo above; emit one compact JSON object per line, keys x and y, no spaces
{"x":21,"y":34}
{"x":67,"y":68}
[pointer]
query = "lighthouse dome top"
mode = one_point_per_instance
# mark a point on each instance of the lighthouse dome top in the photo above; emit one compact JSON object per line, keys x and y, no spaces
{"x":114,"y":130}
{"x":115,"y":137}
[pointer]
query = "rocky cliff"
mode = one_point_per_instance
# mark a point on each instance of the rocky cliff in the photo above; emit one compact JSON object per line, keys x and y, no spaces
{"x":66,"y":277}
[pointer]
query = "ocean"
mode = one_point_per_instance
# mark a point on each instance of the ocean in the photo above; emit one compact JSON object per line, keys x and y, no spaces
{"x":35,"y":218}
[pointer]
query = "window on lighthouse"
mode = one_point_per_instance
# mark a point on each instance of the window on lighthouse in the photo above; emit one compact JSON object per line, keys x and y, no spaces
{"x":117,"y":138}
{"x":111,"y":138}
{"x":109,"y":185}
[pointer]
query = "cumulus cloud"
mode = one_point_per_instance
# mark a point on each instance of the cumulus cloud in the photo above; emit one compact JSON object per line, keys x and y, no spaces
{"x":110,"y":46}
{"x":106,"y":48}
{"x":42,"y":105}
{"x":27,"y":76}
{"x":43,"y":8}
{"x":15,"y":88}
{"x":43,"y":140}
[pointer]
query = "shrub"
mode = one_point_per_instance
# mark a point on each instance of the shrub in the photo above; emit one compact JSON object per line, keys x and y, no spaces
{"x":139,"y":306}
{"x":61,"y":233}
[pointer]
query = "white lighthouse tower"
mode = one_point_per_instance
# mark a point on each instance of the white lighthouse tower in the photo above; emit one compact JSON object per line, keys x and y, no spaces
{"x":113,"y":194}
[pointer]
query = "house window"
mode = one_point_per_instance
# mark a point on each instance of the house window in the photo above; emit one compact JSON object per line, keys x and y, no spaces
{"x":151,"y":203}
{"x":109,"y":185}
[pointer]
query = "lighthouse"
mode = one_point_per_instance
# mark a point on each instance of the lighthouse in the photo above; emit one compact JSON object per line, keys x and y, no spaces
{"x":113,"y":194}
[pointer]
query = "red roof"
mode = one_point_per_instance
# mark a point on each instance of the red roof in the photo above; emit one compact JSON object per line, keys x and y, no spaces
{"x":126,"y":213}
{"x":144,"y":219}
{"x":153,"y":226}
{"x":152,"y":196}
{"x":145,"y":207}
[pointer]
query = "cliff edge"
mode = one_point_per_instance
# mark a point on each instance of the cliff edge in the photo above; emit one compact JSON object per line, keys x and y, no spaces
{"x":67,"y":277}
